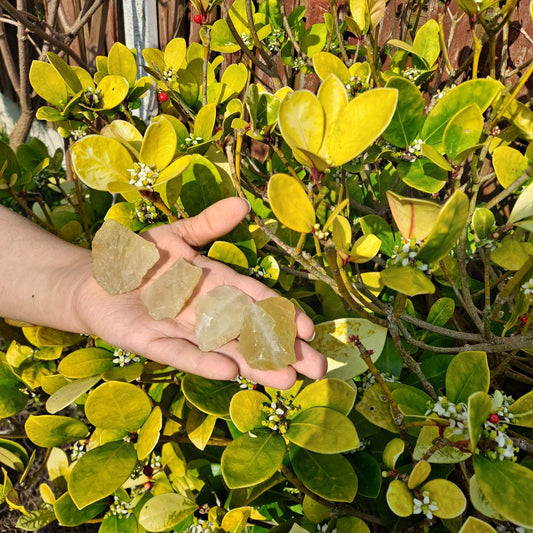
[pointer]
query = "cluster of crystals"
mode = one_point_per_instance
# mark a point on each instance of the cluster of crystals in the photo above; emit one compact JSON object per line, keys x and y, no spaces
{"x":201,"y":526}
{"x":414,"y":151}
{"x":143,"y":176}
{"x":78,"y":134}
{"x":245,"y":383}
{"x":320,"y":235}
{"x":78,"y":449}
{"x":406,"y":256}
{"x":120,"y":508}
{"x":411,"y":73}
{"x":425,"y":506}
{"x":145,"y":211}
{"x":247,"y":39}
{"x":275,"y":40}
{"x":169,"y":74}
{"x":322,"y":528}
{"x":299,"y":63}
{"x":92,"y":96}
{"x":457,"y":414}
{"x":190,"y":141}
{"x":528,"y":287}
{"x":123,"y":357}
{"x":356,"y":84}
{"x":437,"y":96}
{"x":277,"y":413}
{"x":368,"y":379}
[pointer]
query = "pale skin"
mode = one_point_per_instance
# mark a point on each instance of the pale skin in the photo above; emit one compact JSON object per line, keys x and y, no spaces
{"x":47,"y":281}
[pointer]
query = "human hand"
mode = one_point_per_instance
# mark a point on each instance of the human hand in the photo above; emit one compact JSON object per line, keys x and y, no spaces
{"x":123,"y":320}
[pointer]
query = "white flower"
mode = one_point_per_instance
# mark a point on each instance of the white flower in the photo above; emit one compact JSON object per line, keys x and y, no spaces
{"x":425,"y":506}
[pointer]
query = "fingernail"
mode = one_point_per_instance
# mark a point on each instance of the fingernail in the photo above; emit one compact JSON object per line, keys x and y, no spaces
{"x":249,"y":204}
{"x":312,"y":338}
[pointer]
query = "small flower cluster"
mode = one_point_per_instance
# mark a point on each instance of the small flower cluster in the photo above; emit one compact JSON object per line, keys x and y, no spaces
{"x":275,"y":40}
{"x":143,"y":176}
{"x":356,"y":84}
{"x":169,"y":74}
{"x":201,"y":526}
{"x":247,"y":39}
{"x":504,"y":446}
{"x":320,"y":235}
{"x":425,"y":506}
{"x":257,"y":272}
{"x":322,"y":528}
{"x":414,"y":151}
{"x":78,"y":134}
{"x":457,"y":414}
{"x":520,"y":529}
{"x":245,"y":383}
{"x":411,"y":73}
{"x":92,"y":96}
{"x":78,"y":449}
{"x":120,"y":508}
{"x":299,"y":64}
{"x":437,"y":96}
{"x":406,"y":256}
{"x":190,"y":141}
{"x":145,"y":211}
{"x":368,"y":379}
{"x":277,"y":413}
{"x":528,"y":287}
{"x":123,"y":357}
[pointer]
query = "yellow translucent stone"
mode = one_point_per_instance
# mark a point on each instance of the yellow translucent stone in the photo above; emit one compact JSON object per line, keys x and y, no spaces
{"x":166,"y":295}
{"x":121,"y":258}
{"x":268,"y":334}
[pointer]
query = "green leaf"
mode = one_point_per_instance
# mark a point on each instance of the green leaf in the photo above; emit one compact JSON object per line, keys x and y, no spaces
{"x":507,"y":487}
{"x":426,"y":44}
{"x":483,"y":222}
{"x":511,"y":253}
{"x":479,"y":408}
{"x":446,"y":230}
{"x":408,"y":280}
{"x":332,"y":393}
{"x":368,"y":472}
{"x":394,"y":448}
{"x":423,"y":175}
{"x":408,"y":116}
{"x":165,"y":511}
{"x":378,"y":226}
{"x":522,"y":409}
{"x":480,"y":503}
{"x":69,"y":515}
{"x":463,"y":131}
{"x":228,"y":253}
{"x":12,"y":399}
{"x":441,"y":311}
{"x":375,"y":407}
{"x":399,"y":498}
{"x":100,"y":472}
{"x":48,"y":431}
{"x":509,"y":164}
{"x":69,"y":393}
{"x":119,"y":524}
{"x":252,"y":458}
{"x":99,"y":161}
{"x":467,"y":373}
{"x":148,"y":434}
{"x":475,"y":525}
{"x":330,"y":476}
{"x":289,"y":201}
{"x":322,"y":430}
{"x":35,"y":520}
{"x":210,"y":396}
{"x":314,"y":39}
{"x":449,"y":498}
{"x":116,"y":405}
{"x":200,"y":427}
{"x":414,"y":217}
{"x":246,"y":409}
{"x":351,"y":524}
{"x":343,"y":357}
{"x":65,"y":71}
{"x":86,"y":362}
{"x":13,"y":455}
{"x":48,"y":83}
{"x":479,"y":91}
{"x":202,"y":185}
{"x":410,"y":400}
{"x":159,"y":144}
{"x":121,"y":61}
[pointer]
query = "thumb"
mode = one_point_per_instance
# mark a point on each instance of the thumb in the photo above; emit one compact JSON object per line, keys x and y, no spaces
{"x":212,"y":223}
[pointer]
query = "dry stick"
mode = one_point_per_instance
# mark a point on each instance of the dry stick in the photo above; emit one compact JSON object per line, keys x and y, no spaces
{"x":451,"y":333}
{"x":206,"y":40}
{"x":333,"y":9}
{"x":7,"y":56}
{"x":518,"y":182}
{"x":290,"y":35}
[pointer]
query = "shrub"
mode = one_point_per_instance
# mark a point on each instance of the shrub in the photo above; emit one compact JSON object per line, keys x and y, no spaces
{"x":367,"y":213}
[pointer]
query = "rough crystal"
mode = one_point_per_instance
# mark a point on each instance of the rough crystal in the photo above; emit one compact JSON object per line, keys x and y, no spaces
{"x":121,"y":258}
{"x":166,"y":295}
{"x":219,"y":316}
{"x":268,"y":334}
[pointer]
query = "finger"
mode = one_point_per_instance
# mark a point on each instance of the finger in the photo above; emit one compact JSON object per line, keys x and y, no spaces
{"x":214,"y":222}
{"x":309,"y":361}
{"x":186,"y":357}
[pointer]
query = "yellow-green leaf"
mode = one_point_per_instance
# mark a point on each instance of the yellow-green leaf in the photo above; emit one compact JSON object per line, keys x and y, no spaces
{"x":522,"y":410}
{"x":159,"y":144}
{"x":228,"y":253}
{"x":205,"y":121}
{"x":479,"y":408}
{"x":399,"y":498}
{"x":200,"y":427}
{"x":289,"y":201}
{"x":114,"y":90}
{"x":325,"y":64}
{"x":475,"y":525}
{"x":69,"y":393}
{"x":463,"y":131}
{"x":419,"y":474}
{"x":333,"y":393}
{"x":468,"y":372}
{"x":174,"y":53}
{"x":246,"y":409}
{"x":394,"y":448}
{"x":48,"y":84}
{"x":48,"y":431}
{"x":364,"y":248}
{"x":407,"y":280}
{"x":509,"y":164}
{"x":448,"y":497}
{"x":86,"y":362}
{"x":148,"y":434}
{"x":121,"y":61}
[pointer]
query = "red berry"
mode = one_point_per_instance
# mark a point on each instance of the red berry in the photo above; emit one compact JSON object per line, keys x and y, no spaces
{"x":523,"y":319}
{"x":162,"y":96}
{"x":148,"y":471}
{"x":147,"y":485}
{"x":494,"y":418}
{"x":197,"y":18}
